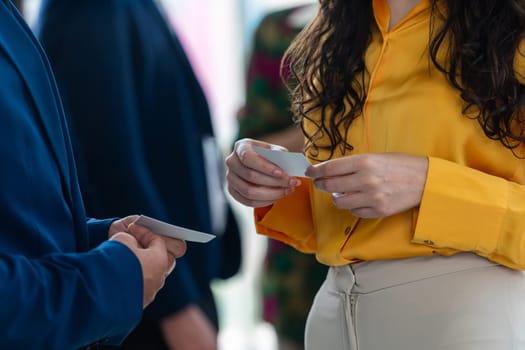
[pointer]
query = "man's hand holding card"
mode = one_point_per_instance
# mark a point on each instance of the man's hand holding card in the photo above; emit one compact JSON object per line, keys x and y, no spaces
{"x":163,"y":228}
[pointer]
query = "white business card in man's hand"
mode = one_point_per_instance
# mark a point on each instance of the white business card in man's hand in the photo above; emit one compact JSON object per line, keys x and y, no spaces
{"x":163,"y":228}
{"x":293,"y":163}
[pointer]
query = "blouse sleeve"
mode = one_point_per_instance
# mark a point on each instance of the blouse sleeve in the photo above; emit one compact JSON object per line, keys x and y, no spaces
{"x":468,"y":210}
{"x":290,"y":220}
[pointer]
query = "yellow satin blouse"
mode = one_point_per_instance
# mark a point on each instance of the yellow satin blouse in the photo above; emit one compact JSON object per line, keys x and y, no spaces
{"x":474,"y":196}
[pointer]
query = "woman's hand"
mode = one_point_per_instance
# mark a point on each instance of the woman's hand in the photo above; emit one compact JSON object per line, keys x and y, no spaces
{"x":253,"y":180}
{"x":373,"y":185}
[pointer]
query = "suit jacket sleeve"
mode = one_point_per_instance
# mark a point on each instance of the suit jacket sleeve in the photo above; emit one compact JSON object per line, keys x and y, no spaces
{"x":98,"y":231}
{"x":60,"y":301}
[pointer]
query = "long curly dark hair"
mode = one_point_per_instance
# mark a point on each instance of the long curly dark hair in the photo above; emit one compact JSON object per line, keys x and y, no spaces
{"x":481,"y":38}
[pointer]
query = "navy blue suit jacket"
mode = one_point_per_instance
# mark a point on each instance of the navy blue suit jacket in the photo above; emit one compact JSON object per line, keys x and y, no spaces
{"x":61,"y":285}
{"x":138,"y":116}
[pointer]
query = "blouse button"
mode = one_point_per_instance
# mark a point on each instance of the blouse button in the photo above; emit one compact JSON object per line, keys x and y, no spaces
{"x":347,"y":230}
{"x":428,"y":241}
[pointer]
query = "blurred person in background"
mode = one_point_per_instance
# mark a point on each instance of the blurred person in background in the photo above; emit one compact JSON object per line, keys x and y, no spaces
{"x":124,"y":74}
{"x":62,"y":273}
{"x":290,"y":278}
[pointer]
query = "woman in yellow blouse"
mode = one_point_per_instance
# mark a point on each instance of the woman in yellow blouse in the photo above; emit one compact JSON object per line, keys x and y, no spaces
{"x":413,"y":112}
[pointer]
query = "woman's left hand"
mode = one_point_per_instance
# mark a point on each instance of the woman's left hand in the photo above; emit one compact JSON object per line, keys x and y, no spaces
{"x":373,"y":185}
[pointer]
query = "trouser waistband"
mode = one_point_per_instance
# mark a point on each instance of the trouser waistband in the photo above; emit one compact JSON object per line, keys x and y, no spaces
{"x":369,"y":276}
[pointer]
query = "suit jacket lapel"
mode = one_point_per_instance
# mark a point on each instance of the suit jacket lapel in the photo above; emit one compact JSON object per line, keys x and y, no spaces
{"x":29,"y":59}
{"x":8,"y":4}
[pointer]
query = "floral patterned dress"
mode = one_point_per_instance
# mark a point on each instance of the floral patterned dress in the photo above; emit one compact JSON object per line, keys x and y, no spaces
{"x":290,"y":278}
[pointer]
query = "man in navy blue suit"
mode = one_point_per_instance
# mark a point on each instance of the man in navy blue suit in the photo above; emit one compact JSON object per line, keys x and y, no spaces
{"x":67,"y":281}
{"x":123,"y":73}
{"x":19,"y":4}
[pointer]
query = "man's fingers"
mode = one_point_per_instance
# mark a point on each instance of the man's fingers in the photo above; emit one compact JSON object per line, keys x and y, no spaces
{"x":121,"y":225}
{"x":172,"y":261}
{"x":176,"y":247}
{"x":143,"y":234}
{"x":126,"y":239}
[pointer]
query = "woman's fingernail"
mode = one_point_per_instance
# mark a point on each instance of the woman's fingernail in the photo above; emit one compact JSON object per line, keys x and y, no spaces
{"x":295,"y":182}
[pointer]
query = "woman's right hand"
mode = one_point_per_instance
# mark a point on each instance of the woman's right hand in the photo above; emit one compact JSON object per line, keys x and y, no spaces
{"x":253,"y":180}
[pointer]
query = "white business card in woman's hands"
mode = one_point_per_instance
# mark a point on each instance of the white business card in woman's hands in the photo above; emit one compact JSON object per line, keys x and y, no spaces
{"x":293,"y":163}
{"x":165,"y":229}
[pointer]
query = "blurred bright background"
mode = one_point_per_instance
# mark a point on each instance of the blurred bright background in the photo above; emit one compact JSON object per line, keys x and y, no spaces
{"x":217,"y":35}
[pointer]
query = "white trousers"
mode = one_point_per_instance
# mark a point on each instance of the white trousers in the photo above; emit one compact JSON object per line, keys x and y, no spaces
{"x":461,"y":302}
